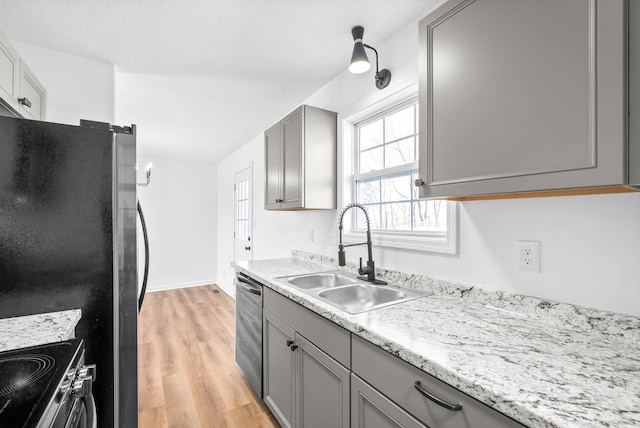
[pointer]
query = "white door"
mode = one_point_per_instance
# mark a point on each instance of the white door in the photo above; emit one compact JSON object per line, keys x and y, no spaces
{"x":243,"y":221}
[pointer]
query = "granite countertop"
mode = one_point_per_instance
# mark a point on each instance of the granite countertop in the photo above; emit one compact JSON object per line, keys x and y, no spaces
{"x":32,"y":330}
{"x":543,"y":363}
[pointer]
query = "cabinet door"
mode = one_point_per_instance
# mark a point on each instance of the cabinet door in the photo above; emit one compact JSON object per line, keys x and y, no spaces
{"x":521,"y":96}
{"x":292,"y":159}
{"x":370,"y":409}
{"x":278,"y":366}
{"x":273,"y":167}
{"x":322,"y":393}
{"x":9,"y":73}
{"x":32,"y":95}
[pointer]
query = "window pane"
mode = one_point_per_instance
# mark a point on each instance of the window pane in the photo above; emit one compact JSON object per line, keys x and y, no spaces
{"x":400,"y":124}
{"x":242,"y":229}
{"x":371,"y":135}
{"x":374,"y":217}
{"x":430,"y":215}
{"x":396,"y":216}
{"x":368,"y":191}
{"x":371,"y":160}
{"x":400,"y":153}
{"x":396,"y":188}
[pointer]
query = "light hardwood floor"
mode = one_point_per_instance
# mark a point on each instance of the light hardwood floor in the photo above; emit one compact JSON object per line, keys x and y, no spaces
{"x":187,"y":373}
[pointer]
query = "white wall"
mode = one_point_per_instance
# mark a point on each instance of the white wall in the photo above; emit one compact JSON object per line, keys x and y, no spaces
{"x":589,"y":244}
{"x":180,"y":212}
{"x":77,"y":88}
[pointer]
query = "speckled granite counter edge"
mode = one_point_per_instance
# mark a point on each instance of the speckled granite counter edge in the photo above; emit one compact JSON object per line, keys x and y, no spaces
{"x":32,"y":330}
{"x":624,"y":327}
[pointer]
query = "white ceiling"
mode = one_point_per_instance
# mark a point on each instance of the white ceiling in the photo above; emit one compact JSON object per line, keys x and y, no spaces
{"x":202,"y":77}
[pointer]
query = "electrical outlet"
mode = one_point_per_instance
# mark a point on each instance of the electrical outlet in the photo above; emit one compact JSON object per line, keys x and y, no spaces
{"x":529,"y":256}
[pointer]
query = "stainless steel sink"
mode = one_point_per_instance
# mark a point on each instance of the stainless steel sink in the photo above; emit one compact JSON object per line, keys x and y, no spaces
{"x":320,"y":280}
{"x":350,"y":294}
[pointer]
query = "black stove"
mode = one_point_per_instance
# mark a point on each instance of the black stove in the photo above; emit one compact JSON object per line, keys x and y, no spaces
{"x":46,"y":386}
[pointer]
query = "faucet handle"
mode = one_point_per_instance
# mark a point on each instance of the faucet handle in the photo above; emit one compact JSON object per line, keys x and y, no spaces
{"x":360,"y":270}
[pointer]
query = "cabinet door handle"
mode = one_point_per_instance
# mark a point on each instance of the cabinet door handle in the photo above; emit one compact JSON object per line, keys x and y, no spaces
{"x":289,"y":342}
{"x":25,"y":102}
{"x":439,"y":401}
{"x":247,"y":248}
{"x":293,"y":347}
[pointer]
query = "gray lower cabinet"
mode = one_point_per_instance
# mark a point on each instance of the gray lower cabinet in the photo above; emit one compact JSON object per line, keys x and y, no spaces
{"x":527,"y":96}
{"x":304,"y":386}
{"x":429,"y":400}
{"x":278,"y":368}
{"x":371,"y":409}
{"x":317,"y":374}
{"x":322,"y":388}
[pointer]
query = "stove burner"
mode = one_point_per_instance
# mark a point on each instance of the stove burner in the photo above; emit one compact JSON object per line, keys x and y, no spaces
{"x":20,"y":371}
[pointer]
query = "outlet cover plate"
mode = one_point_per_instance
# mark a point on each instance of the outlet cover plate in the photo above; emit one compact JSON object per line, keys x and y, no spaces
{"x":529,"y":256}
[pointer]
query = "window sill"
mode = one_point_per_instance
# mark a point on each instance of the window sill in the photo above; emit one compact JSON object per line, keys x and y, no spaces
{"x":444,"y":243}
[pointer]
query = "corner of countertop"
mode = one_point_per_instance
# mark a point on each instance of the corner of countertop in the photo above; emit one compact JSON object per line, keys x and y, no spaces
{"x":38,"y":329}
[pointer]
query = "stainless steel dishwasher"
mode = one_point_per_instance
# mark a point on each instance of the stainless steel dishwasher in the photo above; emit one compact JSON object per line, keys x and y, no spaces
{"x":249,"y":329}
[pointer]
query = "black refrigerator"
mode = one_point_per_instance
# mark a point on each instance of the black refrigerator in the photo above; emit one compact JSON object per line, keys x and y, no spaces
{"x":68,"y":241}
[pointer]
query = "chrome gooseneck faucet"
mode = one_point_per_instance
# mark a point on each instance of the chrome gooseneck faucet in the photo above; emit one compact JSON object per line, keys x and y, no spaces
{"x":368,"y":270}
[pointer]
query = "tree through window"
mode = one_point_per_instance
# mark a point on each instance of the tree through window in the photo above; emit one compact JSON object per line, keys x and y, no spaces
{"x":387,"y":166}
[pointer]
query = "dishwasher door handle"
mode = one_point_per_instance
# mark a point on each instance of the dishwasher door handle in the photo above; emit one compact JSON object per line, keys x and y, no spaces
{"x":246,"y":287}
{"x":248,"y":284}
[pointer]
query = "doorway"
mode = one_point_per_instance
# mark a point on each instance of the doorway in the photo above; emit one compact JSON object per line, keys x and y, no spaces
{"x":243,"y":215}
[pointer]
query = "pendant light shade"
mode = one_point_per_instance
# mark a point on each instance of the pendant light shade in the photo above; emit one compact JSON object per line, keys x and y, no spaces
{"x":360,"y":62}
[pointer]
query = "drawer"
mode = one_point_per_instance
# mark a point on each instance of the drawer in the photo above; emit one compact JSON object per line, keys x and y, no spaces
{"x":331,"y":338}
{"x":396,"y":379}
{"x":370,"y":409}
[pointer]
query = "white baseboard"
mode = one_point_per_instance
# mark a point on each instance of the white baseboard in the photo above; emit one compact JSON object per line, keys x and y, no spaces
{"x":154,"y":288}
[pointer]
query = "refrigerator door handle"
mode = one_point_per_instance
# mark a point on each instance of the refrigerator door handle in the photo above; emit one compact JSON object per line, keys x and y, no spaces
{"x":146,"y":258}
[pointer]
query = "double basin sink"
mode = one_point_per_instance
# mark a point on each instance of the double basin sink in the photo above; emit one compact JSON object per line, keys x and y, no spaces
{"x":345,"y":291}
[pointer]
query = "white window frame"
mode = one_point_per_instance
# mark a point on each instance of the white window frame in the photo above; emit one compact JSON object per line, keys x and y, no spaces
{"x":435,"y":242}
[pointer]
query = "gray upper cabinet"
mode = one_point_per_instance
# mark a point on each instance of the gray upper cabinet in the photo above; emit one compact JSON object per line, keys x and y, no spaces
{"x":300,"y":161}
{"x":524,"y":96}
{"x":21,"y":92}
{"x":32,"y":95}
{"x":9,"y":74}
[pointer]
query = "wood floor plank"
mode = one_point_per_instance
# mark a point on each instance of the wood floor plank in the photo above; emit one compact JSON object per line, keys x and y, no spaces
{"x":187,"y":371}
{"x":181,"y":408}
{"x":155,"y":417}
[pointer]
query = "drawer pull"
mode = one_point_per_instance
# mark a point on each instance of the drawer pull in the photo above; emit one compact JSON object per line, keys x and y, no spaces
{"x":430,"y":396}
